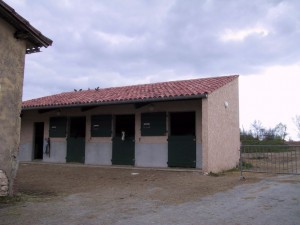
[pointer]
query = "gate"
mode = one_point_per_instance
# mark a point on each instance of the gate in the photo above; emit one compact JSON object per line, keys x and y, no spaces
{"x":278,"y":159}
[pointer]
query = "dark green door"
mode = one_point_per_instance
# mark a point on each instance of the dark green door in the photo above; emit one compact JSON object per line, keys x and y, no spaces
{"x":123,"y":141}
{"x":76,"y":140}
{"x":182,"y":140}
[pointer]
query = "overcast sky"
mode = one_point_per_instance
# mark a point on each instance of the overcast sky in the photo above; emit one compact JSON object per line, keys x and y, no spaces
{"x":122,"y":42}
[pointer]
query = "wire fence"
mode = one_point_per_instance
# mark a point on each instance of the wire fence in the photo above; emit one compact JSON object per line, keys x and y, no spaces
{"x":277,"y":159}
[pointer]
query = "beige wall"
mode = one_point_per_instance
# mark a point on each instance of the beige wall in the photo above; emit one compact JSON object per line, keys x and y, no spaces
{"x":32,"y":116}
{"x":12,"y":58}
{"x":221,"y":134}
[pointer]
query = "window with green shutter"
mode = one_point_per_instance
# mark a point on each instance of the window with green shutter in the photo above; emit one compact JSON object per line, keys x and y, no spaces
{"x":58,"y":127}
{"x":153,"y":124}
{"x":101,"y":125}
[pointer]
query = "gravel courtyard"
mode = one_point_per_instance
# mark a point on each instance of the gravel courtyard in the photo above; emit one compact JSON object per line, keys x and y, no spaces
{"x":78,"y":194}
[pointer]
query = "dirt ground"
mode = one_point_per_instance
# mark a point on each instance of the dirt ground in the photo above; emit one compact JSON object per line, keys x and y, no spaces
{"x":79,"y":194}
{"x":171,"y":186}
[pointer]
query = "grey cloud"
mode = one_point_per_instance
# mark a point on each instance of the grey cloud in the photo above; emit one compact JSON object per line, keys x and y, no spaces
{"x":115,"y":42}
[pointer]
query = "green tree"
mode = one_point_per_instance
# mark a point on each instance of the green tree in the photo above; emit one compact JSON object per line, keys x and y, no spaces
{"x":258,"y":134}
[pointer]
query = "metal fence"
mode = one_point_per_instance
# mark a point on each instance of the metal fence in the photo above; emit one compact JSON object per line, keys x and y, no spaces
{"x":279,"y":159}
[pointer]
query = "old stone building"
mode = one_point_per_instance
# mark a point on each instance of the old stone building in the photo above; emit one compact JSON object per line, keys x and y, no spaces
{"x":17,"y":38}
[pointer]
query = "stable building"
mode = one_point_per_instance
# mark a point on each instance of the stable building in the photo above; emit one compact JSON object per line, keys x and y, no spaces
{"x":189,"y":123}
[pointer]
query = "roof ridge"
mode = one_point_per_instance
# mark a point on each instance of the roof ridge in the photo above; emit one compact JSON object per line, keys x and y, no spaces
{"x":155,"y":83}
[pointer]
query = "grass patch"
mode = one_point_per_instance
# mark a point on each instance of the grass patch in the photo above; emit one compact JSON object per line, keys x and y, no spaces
{"x":261,"y":148}
{"x":224,"y":172}
{"x":26,"y":197}
{"x":246,"y":165}
{"x":6,"y":200}
{"x":212,"y":174}
{"x":235,"y":169}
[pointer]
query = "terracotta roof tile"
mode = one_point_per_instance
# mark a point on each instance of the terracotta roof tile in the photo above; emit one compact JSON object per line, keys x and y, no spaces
{"x":135,"y":93}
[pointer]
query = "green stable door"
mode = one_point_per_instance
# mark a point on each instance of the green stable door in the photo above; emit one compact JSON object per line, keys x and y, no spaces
{"x":123,"y":141}
{"x":76,"y":140}
{"x":182,"y":140}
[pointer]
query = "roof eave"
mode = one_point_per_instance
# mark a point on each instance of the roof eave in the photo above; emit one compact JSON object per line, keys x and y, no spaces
{"x":134,"y":101}
{"x":23,"y":28}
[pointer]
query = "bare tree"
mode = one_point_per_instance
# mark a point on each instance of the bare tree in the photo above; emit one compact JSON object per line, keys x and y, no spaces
{"x":297,"y":123}
{"x":257,"y":129}
{"x":280,"y":131}
{"x":260,"y":133}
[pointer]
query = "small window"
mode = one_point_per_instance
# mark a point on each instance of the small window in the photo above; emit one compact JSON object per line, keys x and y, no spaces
{"x":153,"y":124}
{"x":58,"y":127}
{"x":183,"y":124}
{"x":101,"y":125}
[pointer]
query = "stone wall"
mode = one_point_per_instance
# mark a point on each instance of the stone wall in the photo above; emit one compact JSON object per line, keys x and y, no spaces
{"x":12,"y":59}
{"x":3,"y":184}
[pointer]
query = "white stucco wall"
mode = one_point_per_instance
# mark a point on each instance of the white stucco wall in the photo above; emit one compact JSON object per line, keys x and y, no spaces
{"x":25,"y":152}
{"x":151,"y":155}
{"x":97,"y":153}
{"x":149,"y":151}
{"x":58,"y":151}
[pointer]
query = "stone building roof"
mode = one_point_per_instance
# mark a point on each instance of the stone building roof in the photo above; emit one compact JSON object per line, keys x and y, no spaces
{"x":24,"y":30}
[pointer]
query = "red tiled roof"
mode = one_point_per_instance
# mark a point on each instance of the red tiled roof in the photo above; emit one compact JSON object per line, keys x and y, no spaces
{"x":164,"y":91}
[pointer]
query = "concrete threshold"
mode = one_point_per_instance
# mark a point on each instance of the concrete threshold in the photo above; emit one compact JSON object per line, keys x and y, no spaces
{"x":125,"y":167}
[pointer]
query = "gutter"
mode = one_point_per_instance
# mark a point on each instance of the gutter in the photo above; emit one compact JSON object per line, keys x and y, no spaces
{"x":151,"y":100}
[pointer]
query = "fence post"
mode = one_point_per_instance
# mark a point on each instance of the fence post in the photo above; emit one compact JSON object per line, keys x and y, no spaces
{"x":241,"y":163}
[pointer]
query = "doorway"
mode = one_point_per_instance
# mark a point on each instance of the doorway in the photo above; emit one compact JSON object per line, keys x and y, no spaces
{"x":76,"y":140}
{"x":123,"y":141}
{"x":182,"y":140}
{"x":38,"y":140}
